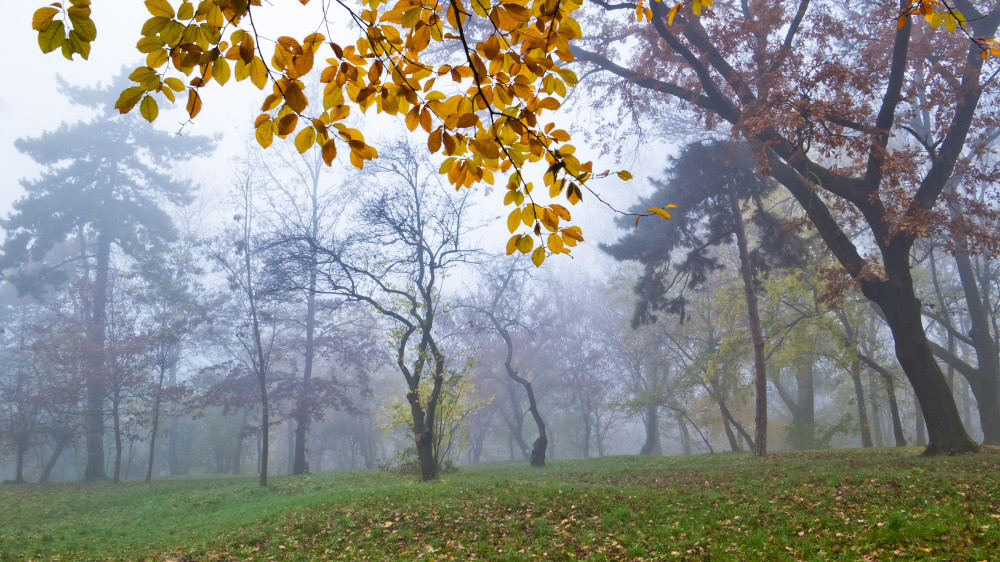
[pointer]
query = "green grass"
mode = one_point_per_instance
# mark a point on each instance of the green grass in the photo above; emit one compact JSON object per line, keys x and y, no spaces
{"x":877,"y":504}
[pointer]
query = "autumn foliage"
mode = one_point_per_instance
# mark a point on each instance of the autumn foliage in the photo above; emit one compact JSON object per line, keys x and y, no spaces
{"x":484,"y":116}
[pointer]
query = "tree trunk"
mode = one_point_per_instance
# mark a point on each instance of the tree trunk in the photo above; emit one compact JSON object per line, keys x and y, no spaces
{"x":95,"y":375}
{"x":859,"y":397}
{"x":807,"y":403}
{"x":897,"y":423}
{"x":877,"y":433}
{"x":517,"y":422}
{"x":116,"y":419}
{"x":734,"y":442}
{"x":265,"y":425}
{"x":727,"y":415}
{"x":542,"y":441}
{"x":901,"y":309}
{"x":986,"y":385}
{"x":921,"y":425}
{"x":156,"y":422}
{"x":62,"y":439}
{"x":22,"y":450}
{"x":174,"y":432}
{"x":300,"y":466}
{"x":423,"y":433}
{"x":652,"y":446}
{"x":685,"y":436}
{"x":238,"y":452}
{"x":753,"y":317}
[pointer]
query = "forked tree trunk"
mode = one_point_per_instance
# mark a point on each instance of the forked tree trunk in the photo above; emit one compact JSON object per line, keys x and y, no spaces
{"x":542,"y":441}
{"x":62,"y":439}
{"x":859,"y":397}
{"x":901,"y":308}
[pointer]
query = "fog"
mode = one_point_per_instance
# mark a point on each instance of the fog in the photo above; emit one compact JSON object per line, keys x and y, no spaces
{"x":227,"y":309}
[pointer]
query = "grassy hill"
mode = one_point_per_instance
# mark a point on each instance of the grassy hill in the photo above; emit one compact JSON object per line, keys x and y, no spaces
{"x":849,"y":504}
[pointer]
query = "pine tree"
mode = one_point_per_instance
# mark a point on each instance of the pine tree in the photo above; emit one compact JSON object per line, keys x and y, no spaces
{"x":103,"y":186}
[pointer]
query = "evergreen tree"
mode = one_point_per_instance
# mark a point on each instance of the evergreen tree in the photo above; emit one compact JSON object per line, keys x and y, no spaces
{"x":103,"y":187}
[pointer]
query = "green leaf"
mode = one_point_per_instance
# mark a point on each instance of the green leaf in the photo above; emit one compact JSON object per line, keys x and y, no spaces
{"x":53,"y":37}
{"x":148,"y":108}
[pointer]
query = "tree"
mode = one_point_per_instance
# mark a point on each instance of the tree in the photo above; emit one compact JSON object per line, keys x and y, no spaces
{"x":173,"y":314}
{"x":709,"y":181}
{"x":108,"y":196}
{"x":501,"y":306}
{"x":22,"y":412}
{"x":977,"y":278}
{"x":824,"y":95}
{"x":238,"y":256}
{"x":302,"y":207}
{"x":411,"y":236}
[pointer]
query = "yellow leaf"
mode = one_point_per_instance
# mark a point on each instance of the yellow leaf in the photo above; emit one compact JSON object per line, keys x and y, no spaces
{"x":514,"y":219}
{"x":258,"y":73}
{"x":555,"y":244}
{"x":174,"y":84}
{"x":220,"y":70}
{"x":624,"y":175}
{"x":672,"y":13}
{"x":525,"y":244}
{"x":160,"y":8}
{"x":305,"y":139}
{"x":538,"y":256}
{"x":128,"y":98}
{"x":265,"y":133}
{"x":573,"y":232}
{"x":186,"y":11}
{"x":411,"y":17}
{"x":42,"y":18}
{"x":512,"y":243}
{"x":659,"y":212}
{"x":561,"y":211}
{"x":148,"y":108}
{"x":157,"y":58}
{"x":194,"y":102}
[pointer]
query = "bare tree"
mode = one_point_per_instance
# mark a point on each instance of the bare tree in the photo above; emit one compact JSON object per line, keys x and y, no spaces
{"x":409,"y":234}
{"x":237,"y":256}
{"x":501,"y":304}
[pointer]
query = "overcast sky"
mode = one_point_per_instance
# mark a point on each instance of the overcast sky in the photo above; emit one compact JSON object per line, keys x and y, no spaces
{"x":31,"y":104}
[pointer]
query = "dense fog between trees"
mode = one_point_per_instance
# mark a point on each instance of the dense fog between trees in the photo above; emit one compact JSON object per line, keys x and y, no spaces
{"x":306,"y":317}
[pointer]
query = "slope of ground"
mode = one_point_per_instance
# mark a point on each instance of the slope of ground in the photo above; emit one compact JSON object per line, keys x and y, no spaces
{"x":851,"y":504}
